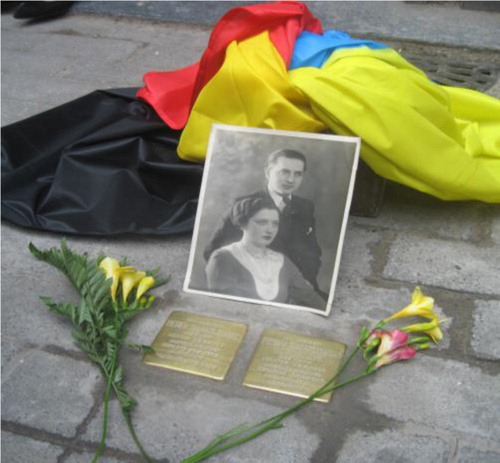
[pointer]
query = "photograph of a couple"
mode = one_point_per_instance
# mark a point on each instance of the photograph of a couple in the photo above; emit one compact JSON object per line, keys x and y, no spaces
{"x":271,"y":217}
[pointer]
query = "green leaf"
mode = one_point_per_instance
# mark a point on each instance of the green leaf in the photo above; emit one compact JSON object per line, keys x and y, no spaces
{"x":48,"y":301}
{"x":65,"y":308}
{"x":161,"y":281}
{"x":110,"y":331}
{"x":79,"y":335}
{"x":127,"y":403}
{"x":94,"y":277}
{"x":84,"y":314}
{"x":129,"y":314}
{"x":118,"y":374}
{"x":147,"y":349}
{"x":111,"y":349}
{"x":100,"y":293}
{"x":142,"y":347}
{"x":153,"y":273}
{"x":95,"y":358}
{"x":52,"y":256}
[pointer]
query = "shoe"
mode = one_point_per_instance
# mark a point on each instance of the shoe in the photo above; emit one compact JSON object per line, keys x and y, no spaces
{"x":41,"y":10}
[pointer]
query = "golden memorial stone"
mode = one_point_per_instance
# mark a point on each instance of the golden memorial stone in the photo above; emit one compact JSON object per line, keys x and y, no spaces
{"x":197,"y":344}
{"x":293,"y":364}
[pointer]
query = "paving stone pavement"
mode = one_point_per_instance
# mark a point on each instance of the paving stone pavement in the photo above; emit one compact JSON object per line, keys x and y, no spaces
{"x":443,"y":406}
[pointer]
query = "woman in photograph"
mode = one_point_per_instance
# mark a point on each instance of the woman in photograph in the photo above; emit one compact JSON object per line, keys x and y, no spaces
{"x":250,"y":269}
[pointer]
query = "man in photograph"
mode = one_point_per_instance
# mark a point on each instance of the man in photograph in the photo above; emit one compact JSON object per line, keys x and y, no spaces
{"x":296,"y":237}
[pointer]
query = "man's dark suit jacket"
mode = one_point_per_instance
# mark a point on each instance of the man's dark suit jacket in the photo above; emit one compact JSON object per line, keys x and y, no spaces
{"x":296,"y":236}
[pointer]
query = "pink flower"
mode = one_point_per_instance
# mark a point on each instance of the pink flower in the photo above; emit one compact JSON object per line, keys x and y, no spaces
{"x":385,"y":340}
{"x":391,"y":340}
{"x":402,"y":353}
{"x":392,"y":346}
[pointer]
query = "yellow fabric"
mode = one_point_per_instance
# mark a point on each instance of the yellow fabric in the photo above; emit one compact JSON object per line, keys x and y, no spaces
{"x":251,"y":89}
{"x":440,"y":140}
{"x":444,"y":141}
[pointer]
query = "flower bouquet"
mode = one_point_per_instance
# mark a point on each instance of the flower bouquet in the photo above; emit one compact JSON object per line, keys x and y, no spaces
{"x":111,"y":294}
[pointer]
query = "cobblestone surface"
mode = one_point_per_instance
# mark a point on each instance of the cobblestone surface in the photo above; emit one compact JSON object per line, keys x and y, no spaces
{"x":458,"y":266}
{"x":397,"y":446}
{"x":25,"y":450}
{"x":469,"y":454}
{"x":32,"y":394}
{"x":425,"y":389}
{"x":486,"y":334}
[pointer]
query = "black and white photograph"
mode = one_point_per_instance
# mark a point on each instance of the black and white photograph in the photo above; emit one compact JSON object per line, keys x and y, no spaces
{"x":271,"y":217}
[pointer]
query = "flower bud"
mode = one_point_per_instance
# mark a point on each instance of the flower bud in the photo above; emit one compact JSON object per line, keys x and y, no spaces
{"x":145,"y":284}
{"x":129,"y":280}
{"x":430,"y":328}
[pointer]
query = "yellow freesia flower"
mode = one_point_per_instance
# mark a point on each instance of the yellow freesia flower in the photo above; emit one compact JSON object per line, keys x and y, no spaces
{"x":145,"y":284}
{"x":109,"y":265}
{"x":420,"y":306}
{"x":113,"y":270}
{"x":129,"y":280}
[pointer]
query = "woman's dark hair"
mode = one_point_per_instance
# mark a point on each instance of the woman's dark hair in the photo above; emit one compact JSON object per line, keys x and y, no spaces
{"x":244,"y":209}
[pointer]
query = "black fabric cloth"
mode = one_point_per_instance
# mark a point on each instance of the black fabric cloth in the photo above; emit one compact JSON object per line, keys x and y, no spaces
{"x":296,"y":236}
{"x":103,"y":164}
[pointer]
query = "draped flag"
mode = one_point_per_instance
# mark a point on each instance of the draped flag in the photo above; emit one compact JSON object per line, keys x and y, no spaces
{"x":172,"y":93}
{"x":103,"y":164}
{"x":441,"y":140}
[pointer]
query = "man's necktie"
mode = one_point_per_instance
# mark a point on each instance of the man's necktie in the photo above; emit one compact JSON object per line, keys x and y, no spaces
{"x":285,"y":202}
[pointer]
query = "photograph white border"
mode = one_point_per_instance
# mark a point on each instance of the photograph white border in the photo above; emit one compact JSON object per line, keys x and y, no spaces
{"x":206,"y":176}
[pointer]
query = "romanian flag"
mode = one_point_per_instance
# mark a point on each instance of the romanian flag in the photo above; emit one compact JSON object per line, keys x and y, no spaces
{"x":271,"y":65}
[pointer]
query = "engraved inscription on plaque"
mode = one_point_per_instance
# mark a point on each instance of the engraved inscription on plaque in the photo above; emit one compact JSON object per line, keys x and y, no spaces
{"x":197,"y":344}
{"x":293,"y":364}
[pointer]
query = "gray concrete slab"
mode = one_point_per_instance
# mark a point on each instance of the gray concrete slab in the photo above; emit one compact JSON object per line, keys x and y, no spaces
{"x":470,"y":454}
{"x":85,"y":457}
{"x":448,"y":220}
{"x":438,"y":393}
{"x":442,"y":406}
{"x":25,"y":450}
{"x":486,"y":330}
{"x":49,"y":392}
{"x":432,"y":22}
{"x":400,"y":446}
{"x":455,"y":265}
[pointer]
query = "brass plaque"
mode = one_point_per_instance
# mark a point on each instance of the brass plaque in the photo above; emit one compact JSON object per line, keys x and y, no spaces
{"x":293,"y":364}
{"x":197,"y":344}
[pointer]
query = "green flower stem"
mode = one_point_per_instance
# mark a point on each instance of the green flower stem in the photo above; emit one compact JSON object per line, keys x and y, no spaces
{"x":135,"y":437}
{"x":223,"y":442}
{"x":110,"y":377}
{"x":102,"y":443}
{"x":131,"y":428}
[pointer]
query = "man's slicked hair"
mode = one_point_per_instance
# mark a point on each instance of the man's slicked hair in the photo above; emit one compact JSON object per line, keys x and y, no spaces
{"x":285,"y":153}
